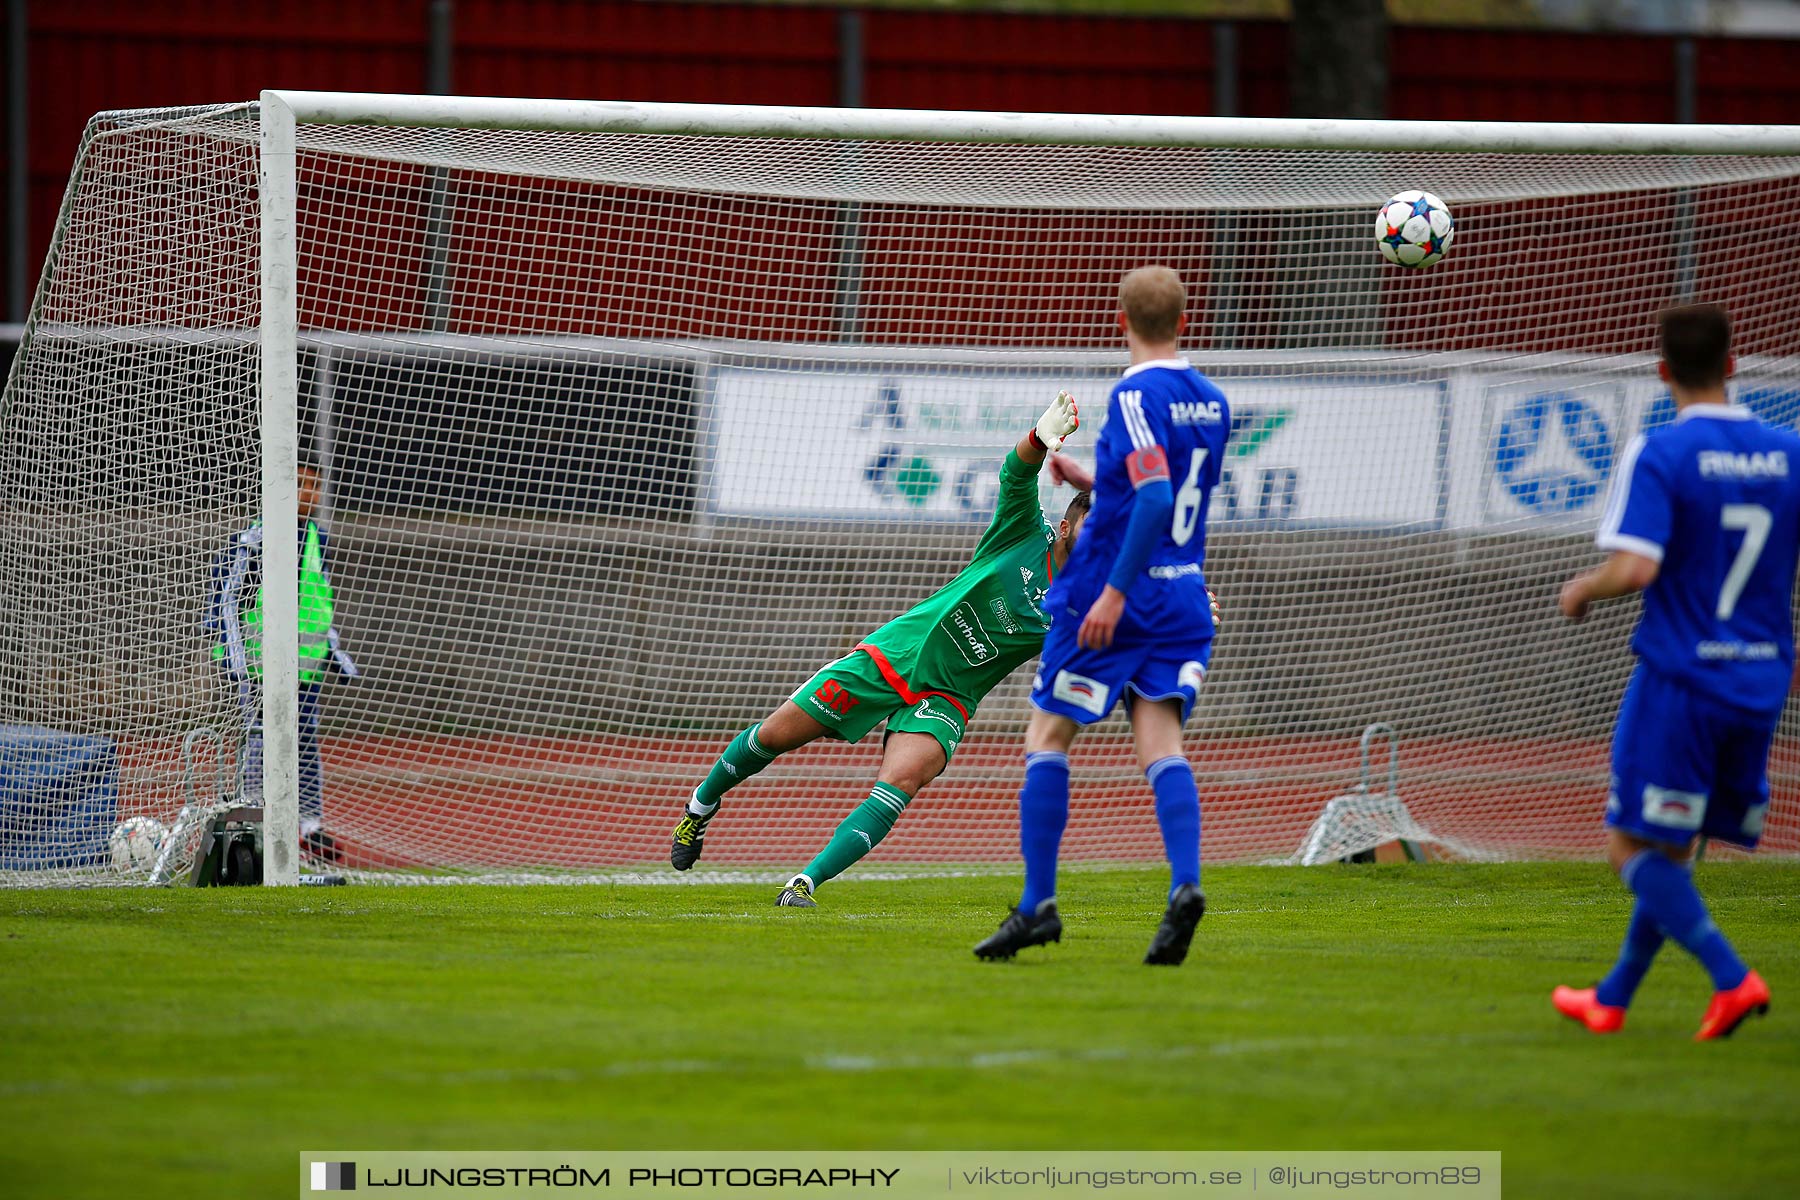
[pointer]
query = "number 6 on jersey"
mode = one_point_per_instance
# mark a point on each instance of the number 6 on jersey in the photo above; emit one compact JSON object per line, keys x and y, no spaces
{"x":1188,"y":501}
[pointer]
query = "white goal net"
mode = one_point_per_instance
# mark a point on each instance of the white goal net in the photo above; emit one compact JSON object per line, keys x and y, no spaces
{"x":619,"y":435}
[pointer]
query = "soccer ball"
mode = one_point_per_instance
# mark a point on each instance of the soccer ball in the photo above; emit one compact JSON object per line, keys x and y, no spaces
{"x":1414,"y":229}
{"x":135,"y":843}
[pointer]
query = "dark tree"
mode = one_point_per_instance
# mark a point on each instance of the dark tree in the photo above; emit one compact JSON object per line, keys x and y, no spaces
{"x":1338,"y":61}
{"x":1325,"y":289}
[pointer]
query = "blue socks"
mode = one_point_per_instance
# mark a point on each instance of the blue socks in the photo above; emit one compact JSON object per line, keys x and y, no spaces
{"x":1665,"y":893}
{"x":1178,"y":813}
{"x":1043,"y":812}
{"x":1643,"y":938}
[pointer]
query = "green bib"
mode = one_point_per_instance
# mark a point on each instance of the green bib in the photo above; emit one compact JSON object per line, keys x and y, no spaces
{"x":315,"y":615}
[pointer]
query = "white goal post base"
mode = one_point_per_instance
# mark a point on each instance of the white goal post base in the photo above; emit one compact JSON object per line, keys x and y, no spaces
{"x":1359,"y":822}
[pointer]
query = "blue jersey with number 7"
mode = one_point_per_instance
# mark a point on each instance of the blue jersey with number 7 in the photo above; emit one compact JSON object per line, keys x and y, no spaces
{"x":1715,"y":499}
{"x":1164,"y":419}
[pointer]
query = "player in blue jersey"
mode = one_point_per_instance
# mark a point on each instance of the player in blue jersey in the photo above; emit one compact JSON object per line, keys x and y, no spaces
{"x":1704,"y":519}
{"x":1130,"y":618}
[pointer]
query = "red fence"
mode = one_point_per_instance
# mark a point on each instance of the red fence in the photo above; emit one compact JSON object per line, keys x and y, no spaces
{"x":136,"y":53}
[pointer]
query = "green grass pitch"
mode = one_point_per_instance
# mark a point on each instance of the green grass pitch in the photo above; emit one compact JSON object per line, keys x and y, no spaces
{"x":186,"y":1043}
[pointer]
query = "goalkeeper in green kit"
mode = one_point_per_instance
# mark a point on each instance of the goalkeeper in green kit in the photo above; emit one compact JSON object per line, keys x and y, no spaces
{"x":923,"y":672}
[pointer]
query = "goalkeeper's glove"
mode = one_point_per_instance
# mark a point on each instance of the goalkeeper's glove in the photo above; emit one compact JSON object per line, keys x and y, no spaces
{"x":1058,"y":422}
{"x":1218,"y":614}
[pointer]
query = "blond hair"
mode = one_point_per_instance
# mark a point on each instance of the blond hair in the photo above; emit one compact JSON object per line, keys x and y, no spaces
{"x":1153,"y":300}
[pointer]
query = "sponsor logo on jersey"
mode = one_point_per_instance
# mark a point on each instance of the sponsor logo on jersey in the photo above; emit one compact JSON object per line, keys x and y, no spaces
{"x":971,"y":637}
{"x":833,"y":697}
{"x":1003,"y":614}
{"x":1195,"y":412}
{"x":926,"y":712}
{"x":1034,"y":595}
{"x":1673,"y":808}
{"x":1174,"y":571}
{"x":1737,"y":651}
{"x":1724,"y":464}
{"x":1082,"y":692}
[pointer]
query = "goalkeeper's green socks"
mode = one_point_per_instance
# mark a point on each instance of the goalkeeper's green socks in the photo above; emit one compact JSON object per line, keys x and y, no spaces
{"x":742,"y":759}
{"x":860,"y":833}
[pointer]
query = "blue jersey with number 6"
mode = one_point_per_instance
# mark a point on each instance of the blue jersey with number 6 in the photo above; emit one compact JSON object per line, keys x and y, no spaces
{"x":1163,"y":418}
{"x":1714,"y":498}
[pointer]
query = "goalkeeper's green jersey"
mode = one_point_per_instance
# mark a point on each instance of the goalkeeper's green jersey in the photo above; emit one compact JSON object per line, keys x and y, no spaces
{"x":972,"y":632}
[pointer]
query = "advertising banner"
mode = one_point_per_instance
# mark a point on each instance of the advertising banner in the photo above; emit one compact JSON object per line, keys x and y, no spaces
{"x":1347,"y":450}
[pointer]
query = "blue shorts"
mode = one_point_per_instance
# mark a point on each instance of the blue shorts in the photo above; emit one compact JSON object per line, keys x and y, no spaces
{"x":1685,"y":764}
{"x":1083,"y":685}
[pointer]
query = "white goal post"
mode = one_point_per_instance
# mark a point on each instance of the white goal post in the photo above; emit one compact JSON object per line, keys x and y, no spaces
{"x":575,"y":565}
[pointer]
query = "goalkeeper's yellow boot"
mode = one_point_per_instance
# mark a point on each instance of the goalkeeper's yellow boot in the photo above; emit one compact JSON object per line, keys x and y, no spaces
{"x":685,"y":846}
{"x":797,"y":894}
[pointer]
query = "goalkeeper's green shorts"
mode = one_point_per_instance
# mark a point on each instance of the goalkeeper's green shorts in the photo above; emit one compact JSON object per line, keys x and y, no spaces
{"x":861,"y":690}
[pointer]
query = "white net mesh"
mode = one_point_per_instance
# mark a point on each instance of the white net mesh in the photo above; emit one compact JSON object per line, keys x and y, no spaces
{"x":622,"y":436}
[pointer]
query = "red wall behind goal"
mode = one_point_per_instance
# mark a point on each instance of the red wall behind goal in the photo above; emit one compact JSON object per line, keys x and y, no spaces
{"x":140,"y":53}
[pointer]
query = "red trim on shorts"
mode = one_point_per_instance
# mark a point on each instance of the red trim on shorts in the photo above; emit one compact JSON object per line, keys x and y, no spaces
{"x":899,"y":685}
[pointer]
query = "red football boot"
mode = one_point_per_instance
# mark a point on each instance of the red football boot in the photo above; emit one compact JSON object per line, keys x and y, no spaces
{"x":1578,"y":1004}
{"x":1729,"y":1008}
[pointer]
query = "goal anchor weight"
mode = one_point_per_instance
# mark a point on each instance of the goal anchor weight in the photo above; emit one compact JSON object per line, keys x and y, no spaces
{"x":230,"y":853}
{"x":228,"y":783}
{"x":228,"y":847}
{"x":1355,"y":824}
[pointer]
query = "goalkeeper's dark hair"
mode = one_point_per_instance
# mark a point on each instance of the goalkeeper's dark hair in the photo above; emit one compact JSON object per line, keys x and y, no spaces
{"x":1696,"y":343}
{"x":1078,"y":507}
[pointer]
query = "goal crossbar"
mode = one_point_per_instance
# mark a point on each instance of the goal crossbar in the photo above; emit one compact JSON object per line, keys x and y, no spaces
{"x":896,"y":124}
